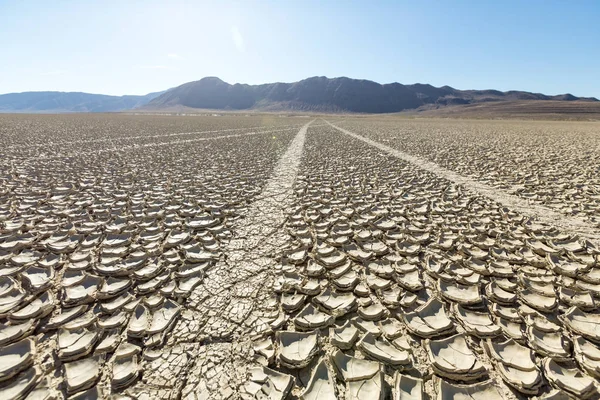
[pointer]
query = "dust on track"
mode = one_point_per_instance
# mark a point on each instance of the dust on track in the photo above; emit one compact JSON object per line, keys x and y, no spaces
{"x":544,"y":215}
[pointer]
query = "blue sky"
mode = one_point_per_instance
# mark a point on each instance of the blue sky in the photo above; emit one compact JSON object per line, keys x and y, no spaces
{"x":136,"y":47}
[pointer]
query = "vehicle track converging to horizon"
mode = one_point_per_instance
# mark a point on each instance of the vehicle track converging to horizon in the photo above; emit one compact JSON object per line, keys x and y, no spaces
{"x":546,"y":215}
{"x":328,"y":260}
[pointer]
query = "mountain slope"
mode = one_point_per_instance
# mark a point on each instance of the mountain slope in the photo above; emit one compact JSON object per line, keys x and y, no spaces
{"x":521,"y":109}
{"x":319,"y":94}
{"x":70,"y":102}
{"x":325,"y":94}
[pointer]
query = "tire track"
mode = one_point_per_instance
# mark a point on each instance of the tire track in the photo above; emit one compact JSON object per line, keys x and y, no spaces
{"x":146,"y":145}
{"x":143,"y":137}
{"x":229,"y":305}
{"x":572,"y":225}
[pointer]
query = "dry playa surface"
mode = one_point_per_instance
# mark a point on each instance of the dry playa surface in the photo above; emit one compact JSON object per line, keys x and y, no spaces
{"x":285,"y":257}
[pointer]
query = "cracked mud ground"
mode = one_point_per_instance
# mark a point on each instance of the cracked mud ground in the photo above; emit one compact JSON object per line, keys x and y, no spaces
{"x":283,"y":257}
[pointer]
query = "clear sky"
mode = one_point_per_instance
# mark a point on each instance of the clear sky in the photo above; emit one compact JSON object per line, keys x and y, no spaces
{"x":136,"y":47}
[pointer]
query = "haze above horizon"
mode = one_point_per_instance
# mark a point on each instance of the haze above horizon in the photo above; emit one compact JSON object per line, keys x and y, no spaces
{"x":139,"y":47}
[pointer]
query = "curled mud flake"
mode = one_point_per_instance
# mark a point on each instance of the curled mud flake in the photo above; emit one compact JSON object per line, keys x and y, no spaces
{"x":485,"y":390}
{"x":451,"y":358}
{"x":16,"y":357}
{"x":321,"y":384}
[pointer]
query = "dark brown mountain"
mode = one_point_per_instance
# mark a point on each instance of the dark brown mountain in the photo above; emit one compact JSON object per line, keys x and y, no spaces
{"x":325,"y":95}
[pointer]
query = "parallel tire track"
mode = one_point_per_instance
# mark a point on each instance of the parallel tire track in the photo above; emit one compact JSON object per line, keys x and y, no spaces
{"x":568,"y":224}
{"x":239,"y":287}
{"x":146,"y":145}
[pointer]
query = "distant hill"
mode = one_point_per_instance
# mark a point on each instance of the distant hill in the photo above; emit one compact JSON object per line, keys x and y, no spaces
{"x":331,"y":95}
{"x":318,"y":94}
{"x":39,"y":102}
{"x":521,"y":109}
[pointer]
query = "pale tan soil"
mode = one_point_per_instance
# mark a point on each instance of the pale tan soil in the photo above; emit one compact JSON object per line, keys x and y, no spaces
{"x":569,"y":224}
{"x":554,"y":164}
{"x":263,"y":257}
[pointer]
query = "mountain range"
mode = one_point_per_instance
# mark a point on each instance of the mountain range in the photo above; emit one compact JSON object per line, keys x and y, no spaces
{"x":64,"y":102}
{"x":319,"y":94}
{"x":330,"y":95}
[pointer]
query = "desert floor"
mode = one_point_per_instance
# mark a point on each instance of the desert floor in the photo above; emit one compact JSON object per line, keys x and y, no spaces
{"x":320,"y":257}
